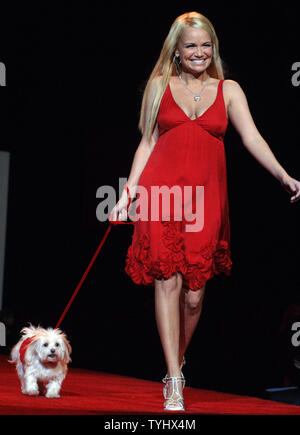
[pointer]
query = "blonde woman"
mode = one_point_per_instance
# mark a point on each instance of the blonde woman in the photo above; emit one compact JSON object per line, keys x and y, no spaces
{"x":185,"y":111}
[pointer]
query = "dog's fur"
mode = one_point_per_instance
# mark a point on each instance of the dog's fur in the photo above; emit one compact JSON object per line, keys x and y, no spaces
{"x":45,"y":362}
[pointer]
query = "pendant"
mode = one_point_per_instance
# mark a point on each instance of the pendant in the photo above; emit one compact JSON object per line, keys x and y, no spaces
{"x":197,"y":98}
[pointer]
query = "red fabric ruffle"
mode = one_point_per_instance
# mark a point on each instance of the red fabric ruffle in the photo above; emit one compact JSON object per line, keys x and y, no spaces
{"x":210,"y":260}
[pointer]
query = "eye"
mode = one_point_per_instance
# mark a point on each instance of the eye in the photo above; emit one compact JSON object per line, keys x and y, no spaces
{"x":45,"y":344}
{"x":57,"y":344}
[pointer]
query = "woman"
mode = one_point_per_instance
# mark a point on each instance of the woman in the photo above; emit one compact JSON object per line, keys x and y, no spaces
{"x":185,"y":112}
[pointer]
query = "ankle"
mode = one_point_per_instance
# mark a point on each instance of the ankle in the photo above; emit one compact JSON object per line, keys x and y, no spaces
{"x":181,"y":357}
{"x":174,"y":371}
{"x":174,"y":374}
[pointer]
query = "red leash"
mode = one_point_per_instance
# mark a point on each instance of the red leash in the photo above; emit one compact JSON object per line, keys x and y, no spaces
{"x":93,"y":260}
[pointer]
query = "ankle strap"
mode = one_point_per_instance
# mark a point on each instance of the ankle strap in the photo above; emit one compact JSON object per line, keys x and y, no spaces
{"x":174,"y":377}
{"x":169,"y":379}
{"x":166,"y":378}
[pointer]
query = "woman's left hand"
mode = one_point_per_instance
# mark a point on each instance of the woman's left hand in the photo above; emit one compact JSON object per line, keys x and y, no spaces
{"x":292,"y":186}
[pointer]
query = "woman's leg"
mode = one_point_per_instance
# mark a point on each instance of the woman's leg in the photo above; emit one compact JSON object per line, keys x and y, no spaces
{"x":190,"y":311}
{"x":167,"y":312}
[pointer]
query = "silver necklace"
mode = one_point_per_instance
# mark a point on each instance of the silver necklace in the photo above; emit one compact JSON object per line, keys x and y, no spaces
{"x":196,"y":96}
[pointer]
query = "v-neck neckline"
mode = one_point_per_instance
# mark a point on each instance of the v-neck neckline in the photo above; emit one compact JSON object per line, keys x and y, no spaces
{"x":203,"y":112}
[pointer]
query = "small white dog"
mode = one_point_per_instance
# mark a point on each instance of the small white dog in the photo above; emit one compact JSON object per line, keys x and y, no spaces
{"x":41,"y":357}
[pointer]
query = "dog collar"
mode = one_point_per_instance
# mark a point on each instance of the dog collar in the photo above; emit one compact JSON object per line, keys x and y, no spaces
{"x":23,"y":348}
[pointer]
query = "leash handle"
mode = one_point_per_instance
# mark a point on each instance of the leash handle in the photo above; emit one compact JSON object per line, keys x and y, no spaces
{"x":128,"y":205}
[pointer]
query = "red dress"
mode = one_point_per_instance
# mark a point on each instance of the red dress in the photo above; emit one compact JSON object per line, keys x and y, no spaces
{"x":187,"y":153}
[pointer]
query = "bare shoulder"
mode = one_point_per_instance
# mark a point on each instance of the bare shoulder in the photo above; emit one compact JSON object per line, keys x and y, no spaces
{"x":232,"y":90}
{"x":231,"y":84}
{"x":239,"y":112}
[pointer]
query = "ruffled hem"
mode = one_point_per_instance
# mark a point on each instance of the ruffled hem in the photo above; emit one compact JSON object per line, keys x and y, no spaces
{"x":211,"y":260}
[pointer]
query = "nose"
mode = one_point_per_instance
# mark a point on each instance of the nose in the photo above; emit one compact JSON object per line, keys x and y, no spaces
{"x":199,"y":52}
{"x":52,"y":351}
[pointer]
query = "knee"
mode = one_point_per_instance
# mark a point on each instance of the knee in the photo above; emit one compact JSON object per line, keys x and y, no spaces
{"x":194,"y":300}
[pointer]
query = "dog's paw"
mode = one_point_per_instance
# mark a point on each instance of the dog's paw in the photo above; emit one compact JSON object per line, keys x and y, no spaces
{"x":32,"y":392}
{"x":52,"y":395}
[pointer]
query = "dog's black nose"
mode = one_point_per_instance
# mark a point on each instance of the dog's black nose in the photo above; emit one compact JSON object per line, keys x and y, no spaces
{"x":52,"y":350}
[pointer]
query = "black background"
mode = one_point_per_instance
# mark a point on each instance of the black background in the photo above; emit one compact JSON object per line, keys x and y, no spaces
{"x":75,"y":76}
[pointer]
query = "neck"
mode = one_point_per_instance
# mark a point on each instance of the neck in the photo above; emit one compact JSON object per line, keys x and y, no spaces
{"x":190,"y":77}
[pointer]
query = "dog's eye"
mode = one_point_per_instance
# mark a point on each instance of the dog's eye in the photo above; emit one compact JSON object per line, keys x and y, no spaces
{"x":45,"y":344}
{"x":57,"y":344}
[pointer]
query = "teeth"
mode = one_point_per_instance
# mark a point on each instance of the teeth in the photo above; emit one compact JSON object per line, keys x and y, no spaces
{"x":198,"y":61}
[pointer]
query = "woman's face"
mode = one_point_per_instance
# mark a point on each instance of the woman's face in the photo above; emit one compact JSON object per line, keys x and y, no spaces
{"x":195,"y":49}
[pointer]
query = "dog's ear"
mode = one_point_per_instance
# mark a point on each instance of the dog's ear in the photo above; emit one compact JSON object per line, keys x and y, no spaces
{"x":68,"y":351}
{"x":28,"y":331}
{"x":67,"y":347}
{"x":30,"y":351}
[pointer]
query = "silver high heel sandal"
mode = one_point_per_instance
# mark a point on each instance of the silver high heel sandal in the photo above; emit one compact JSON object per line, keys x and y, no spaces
{"x":173,"y":402}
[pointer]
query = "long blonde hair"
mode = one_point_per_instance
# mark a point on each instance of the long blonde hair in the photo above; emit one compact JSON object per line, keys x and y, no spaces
{"x":165,"y":67}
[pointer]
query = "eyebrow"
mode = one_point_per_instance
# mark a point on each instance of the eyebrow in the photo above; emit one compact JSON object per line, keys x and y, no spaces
{"x":186,"y":43}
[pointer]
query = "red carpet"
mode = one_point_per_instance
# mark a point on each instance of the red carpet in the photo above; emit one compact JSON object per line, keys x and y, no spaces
{"x":89,"y":392}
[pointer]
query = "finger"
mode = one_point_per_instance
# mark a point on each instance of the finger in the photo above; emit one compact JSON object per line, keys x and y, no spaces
{"x":124,"y":217}
{"x":296,"y":195}
{"x":288,"y":188}
{"x":291,"y":189}
{"x":295,"y":198}
{"x":113,"y":214}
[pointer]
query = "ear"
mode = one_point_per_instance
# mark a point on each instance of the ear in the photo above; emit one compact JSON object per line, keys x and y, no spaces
{"x":30,"y":352}
{"x":29,"y":331}
{"x":67,"y":352}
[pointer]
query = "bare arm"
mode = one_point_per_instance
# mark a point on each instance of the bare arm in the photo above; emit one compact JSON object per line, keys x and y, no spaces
{"x":140,"y":159}
{"x":240,"y":116}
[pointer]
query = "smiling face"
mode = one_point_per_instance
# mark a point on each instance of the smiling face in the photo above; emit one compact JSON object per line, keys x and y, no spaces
{"x":195,"y":49}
